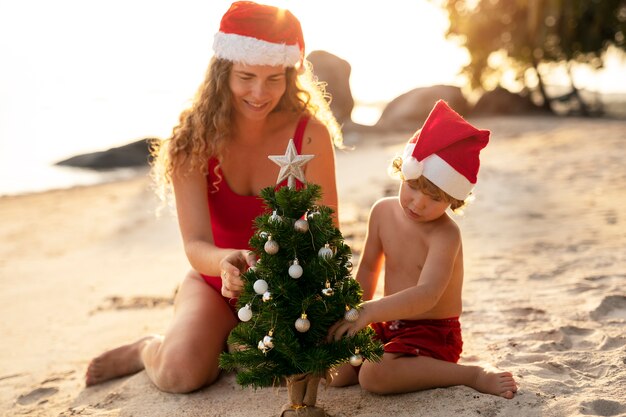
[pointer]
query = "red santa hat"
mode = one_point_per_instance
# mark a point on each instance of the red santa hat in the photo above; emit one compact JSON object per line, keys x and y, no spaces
{"x":256,"y":34}
{"x":446,"y":151}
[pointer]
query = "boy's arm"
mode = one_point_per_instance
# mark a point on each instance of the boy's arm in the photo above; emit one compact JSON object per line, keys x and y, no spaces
{"x":434,"y":279}
{"x":371,"y":261}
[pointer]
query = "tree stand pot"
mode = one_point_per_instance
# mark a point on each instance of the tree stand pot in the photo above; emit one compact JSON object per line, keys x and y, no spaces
{"x":302,"y":396}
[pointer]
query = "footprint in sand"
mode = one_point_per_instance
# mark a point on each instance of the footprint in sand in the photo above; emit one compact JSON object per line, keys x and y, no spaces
{"x":124,"y":303}
{"x":612,"y":307}
{"x":36,"y":395}
{"x":602,"y":408}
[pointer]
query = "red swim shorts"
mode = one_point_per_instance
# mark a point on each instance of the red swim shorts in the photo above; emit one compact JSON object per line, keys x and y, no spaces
{"x":438,"y":339}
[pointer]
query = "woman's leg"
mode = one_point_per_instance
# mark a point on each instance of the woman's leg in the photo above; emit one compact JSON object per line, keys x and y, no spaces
{"x":187,"y":357}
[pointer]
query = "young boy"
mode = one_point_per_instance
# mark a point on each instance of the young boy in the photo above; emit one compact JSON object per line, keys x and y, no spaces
{"x":420,"y":246}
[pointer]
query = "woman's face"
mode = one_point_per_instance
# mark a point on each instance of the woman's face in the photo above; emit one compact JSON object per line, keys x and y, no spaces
{"x":256,"y":89}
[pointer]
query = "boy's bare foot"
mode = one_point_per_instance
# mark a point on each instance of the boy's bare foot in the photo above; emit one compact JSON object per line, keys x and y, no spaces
{"x":496,"y":383}
{"x":121,"y":361}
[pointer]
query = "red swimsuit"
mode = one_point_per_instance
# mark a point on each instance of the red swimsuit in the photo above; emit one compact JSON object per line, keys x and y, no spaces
{"x":232,"y":215}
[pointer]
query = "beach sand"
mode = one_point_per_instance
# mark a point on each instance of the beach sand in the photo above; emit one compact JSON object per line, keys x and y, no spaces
{"x":86,"y":269}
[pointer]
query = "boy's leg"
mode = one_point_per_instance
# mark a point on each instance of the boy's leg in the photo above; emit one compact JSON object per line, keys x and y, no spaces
{"x":397,"y":374}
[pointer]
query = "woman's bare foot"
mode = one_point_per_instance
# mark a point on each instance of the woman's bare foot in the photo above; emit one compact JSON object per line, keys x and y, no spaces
{"x":121,"y":361}
{"x":496,"y":383}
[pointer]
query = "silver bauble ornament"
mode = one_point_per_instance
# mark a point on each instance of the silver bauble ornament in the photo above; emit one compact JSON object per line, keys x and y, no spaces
{"x":312,"y":215}
{"x":326,"y":252}
{"x":260,"y":286}
{"x":268,"y":341}
{"x":267,"y":296}
{"x":328,"y":291}
{"x":349,"y":266}
{"x":301,"y":226}
{"x":295,"y":270}
{"x":275,"y":217}
{"x":263,"y":235}
{"x":351,"y":314}
{"x":245,"y":313}
{"x":271,"y":246}
{"x":303,"y":324}
{"x":262,"y":346}
{"x":356,"y":359}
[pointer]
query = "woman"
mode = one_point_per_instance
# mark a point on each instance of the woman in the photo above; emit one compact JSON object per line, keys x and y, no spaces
{"x":257,"y":95}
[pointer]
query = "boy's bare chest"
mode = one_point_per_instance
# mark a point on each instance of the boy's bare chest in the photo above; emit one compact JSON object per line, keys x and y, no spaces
{"x":405,"y":249}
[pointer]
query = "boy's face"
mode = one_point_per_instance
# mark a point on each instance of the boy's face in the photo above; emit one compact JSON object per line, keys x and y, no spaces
{"x":418,"y":206}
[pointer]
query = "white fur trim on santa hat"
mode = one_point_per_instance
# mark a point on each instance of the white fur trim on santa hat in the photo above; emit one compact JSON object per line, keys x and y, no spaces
{"x":411,"y":168}
{"x":252,"y":51}
{"x":441,"y":173}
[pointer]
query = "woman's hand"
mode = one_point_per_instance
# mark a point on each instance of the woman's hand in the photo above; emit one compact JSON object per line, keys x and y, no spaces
{"x":349,"y":328}
{"x":232,"y":266}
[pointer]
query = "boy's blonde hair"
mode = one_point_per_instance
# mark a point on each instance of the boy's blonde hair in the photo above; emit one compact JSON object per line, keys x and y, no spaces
{"x":427,"y":187}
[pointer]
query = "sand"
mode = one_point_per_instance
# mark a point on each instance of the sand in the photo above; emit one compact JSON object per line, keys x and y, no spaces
{"x":86,"y":269}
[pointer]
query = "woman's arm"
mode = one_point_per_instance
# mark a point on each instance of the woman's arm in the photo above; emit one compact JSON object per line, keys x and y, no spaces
{"x":194,"y":219}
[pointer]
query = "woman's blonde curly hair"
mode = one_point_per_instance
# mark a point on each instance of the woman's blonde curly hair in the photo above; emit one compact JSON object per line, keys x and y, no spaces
{"x":427,"y":187}
{"x":204,"y":128}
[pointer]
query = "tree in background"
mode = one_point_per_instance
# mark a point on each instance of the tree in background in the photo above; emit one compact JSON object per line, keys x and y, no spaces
{"x":300,"y":286}
{"x":532,"y":32}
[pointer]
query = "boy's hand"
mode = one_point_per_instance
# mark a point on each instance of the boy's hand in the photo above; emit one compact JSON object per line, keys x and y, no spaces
{"x":346,"y":328}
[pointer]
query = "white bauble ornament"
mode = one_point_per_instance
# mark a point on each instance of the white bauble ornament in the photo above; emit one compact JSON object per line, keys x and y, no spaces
{"x":295,"y":270}
{"x":356,"y":359}
{"x":268,"y":341}
{"x":275,"y":217}
{"x":351,"y":314}
{"x":301,"y":226}
{"x":271,"y":246}
{"x":245,"y":313}
{"x":260,"y":286}
{"x":326,"y":252}
{"x":267,"y":296}
{"x":303,"y":324}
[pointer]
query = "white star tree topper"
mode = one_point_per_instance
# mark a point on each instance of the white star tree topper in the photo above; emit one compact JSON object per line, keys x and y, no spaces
{"x":291,"y":165}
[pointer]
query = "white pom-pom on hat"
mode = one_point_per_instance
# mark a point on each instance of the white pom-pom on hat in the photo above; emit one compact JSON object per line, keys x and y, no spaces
{"x":412,"y":168}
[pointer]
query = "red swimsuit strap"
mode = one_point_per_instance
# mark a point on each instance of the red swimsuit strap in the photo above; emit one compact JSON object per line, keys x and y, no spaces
{"x":299,"y":133}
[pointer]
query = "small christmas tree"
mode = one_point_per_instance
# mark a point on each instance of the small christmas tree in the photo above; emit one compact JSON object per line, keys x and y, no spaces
{"x":300,"y":286}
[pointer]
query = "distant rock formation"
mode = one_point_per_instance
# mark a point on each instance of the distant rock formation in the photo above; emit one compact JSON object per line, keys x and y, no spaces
{"x":410,"y":110}
{"x":500,"y":101}
{"x":335,"y":72}
{"x":135,"y":154}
